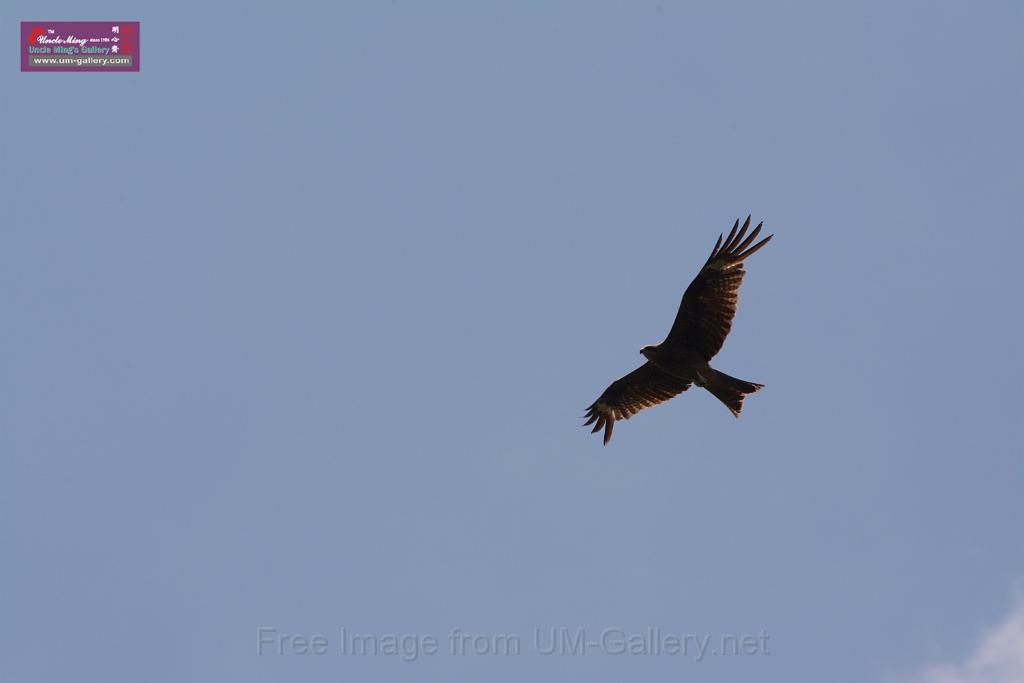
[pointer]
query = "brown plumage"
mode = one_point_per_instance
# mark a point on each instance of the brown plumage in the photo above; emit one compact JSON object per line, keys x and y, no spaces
{"x":701,"y":325}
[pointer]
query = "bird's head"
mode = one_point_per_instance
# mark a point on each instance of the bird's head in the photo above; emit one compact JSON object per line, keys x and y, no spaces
{"x":648,"y":351}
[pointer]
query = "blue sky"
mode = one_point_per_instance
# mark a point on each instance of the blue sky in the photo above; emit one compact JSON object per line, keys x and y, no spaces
{"x":300,"y":322}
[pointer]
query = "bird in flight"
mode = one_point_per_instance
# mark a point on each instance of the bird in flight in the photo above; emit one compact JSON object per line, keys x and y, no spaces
{"x":702,"y":323}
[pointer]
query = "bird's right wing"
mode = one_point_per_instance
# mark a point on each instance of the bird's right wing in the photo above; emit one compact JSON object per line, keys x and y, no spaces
{"x":644,"y":387}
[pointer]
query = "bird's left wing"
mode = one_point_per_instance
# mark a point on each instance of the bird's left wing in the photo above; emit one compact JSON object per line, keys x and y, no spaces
{"x":709,"y":303}
{"x":644,"y":387}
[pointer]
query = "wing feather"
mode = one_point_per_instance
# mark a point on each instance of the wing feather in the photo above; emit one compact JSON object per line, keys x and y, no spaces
{"x":644,"y":387}
{"x":709,"y":303}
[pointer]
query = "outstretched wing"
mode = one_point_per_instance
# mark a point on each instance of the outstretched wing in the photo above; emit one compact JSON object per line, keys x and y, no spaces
{"x":644,"y":387}
{"x":709,"y":303}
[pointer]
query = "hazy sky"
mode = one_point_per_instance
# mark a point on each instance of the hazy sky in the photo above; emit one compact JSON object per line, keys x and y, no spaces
{"x":300,"y":321}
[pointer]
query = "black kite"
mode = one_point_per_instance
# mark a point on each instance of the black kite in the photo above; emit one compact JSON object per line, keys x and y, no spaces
{"x":701,"y":325}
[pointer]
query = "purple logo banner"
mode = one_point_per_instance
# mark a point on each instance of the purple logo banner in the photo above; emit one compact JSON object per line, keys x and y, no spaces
{"x":79,"y":46}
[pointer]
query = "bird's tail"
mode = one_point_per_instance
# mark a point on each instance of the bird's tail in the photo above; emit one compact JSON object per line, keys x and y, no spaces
{"x":729,"y":390}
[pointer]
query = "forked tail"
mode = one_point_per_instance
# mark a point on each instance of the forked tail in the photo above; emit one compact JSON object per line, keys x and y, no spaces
{"x":729,"y":390}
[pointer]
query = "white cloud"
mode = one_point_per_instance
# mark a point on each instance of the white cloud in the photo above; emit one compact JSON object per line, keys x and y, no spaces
{"x":998,"y":657}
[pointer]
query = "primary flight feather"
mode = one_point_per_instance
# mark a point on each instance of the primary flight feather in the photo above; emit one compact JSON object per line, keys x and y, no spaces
{"x":701,"y":325}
